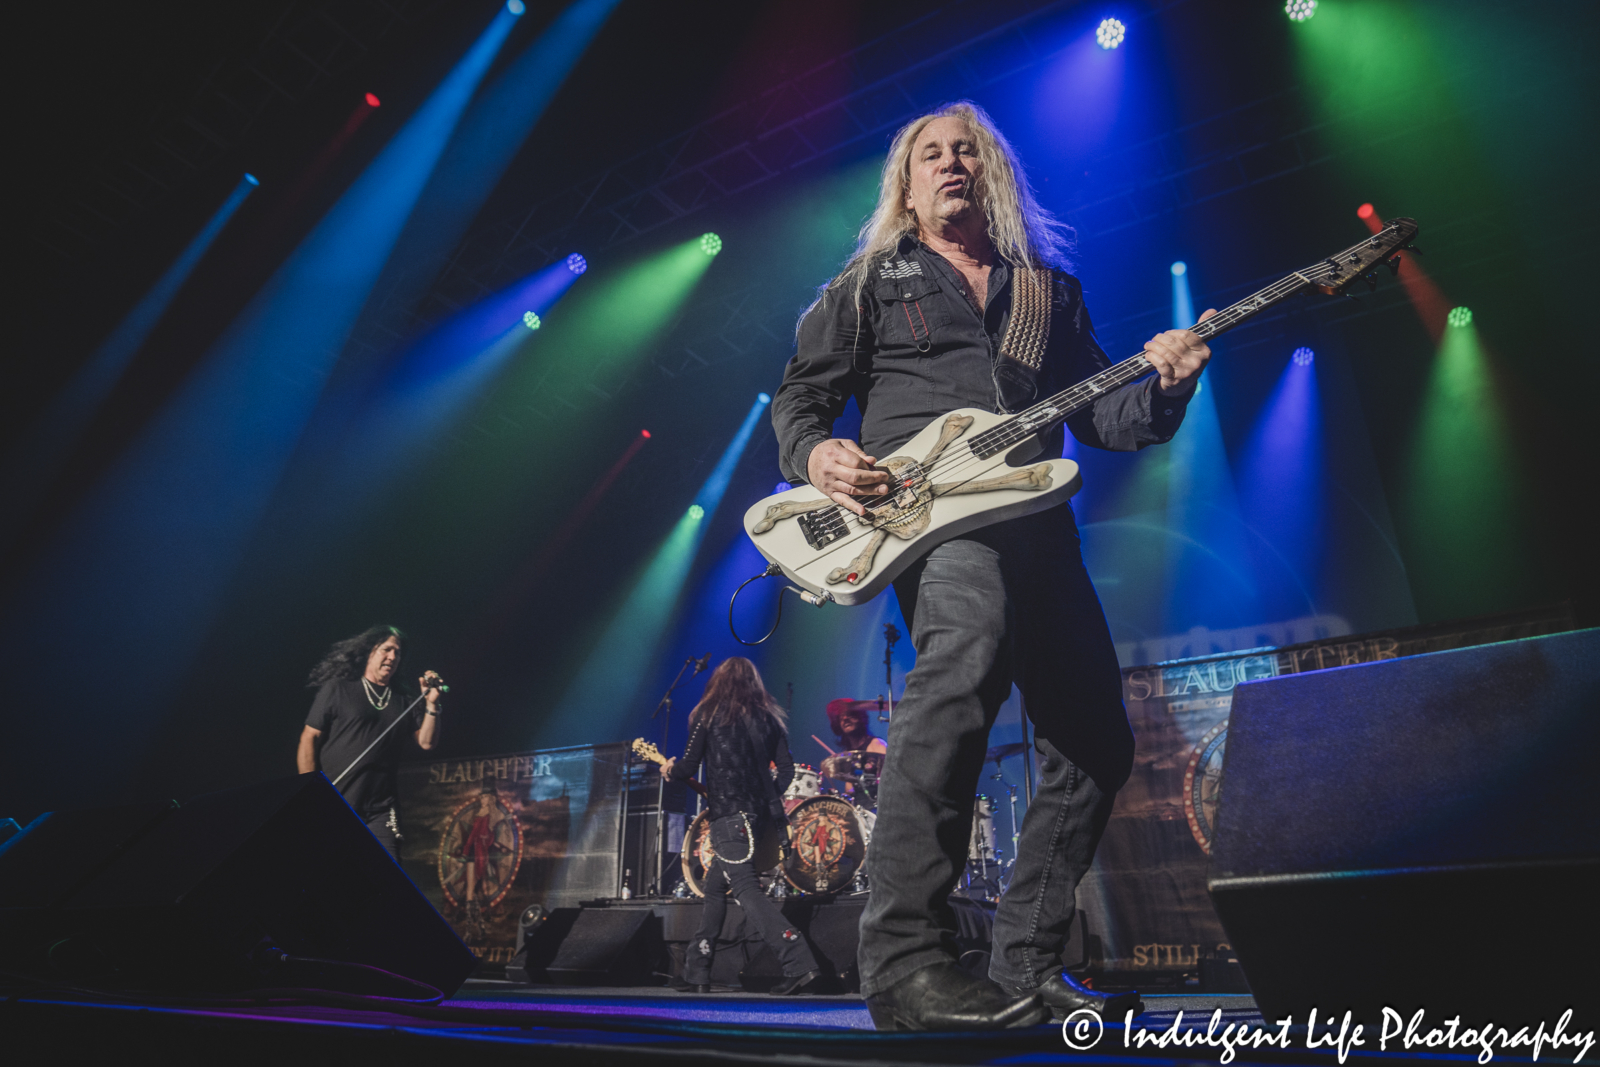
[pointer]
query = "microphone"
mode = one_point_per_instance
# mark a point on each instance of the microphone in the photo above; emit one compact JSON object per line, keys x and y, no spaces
{"x":702,"y":663}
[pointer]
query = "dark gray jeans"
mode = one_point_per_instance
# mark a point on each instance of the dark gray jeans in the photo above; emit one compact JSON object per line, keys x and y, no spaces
{"x":728,"y":838}
{"x":1007,"y":603}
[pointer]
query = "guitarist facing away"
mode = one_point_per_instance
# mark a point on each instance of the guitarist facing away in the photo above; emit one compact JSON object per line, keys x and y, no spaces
{"x":738,"y":729}
{"x":957,"y":296}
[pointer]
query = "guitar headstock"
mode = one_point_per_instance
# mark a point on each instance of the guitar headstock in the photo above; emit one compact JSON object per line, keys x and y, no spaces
{"x":645,"y":750}
{"x":1338,"y":272}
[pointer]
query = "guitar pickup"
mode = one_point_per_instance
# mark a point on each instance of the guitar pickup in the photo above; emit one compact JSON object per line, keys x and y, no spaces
{"x":821,"y":528}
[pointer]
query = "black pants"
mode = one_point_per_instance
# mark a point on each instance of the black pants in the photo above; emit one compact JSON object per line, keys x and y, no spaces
{"x":1007,"y":603}
{"x":729,"y":838}
{"x":385,"y":827}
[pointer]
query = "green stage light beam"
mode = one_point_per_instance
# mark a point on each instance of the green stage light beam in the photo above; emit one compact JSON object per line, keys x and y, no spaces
{"x":1460,"y":505}
{"x":615,"y":670}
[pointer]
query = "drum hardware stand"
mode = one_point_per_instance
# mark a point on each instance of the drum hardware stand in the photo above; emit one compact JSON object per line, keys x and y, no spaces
{"x":622,"y":819}
{"x":665,"y":704}
{"x":890,"y":637}
{"x":1016,"y":835}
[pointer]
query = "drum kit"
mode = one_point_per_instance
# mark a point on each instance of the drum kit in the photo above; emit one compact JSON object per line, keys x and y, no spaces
{"x":831,"y":814}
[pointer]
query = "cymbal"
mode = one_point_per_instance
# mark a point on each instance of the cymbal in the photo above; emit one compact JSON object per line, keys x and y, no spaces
{"x":1000,"y":752}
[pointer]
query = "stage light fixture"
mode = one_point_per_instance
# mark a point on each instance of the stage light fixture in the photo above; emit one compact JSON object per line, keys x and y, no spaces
{"x":1365,"y":211}
{"x":530,"y":320}
{"x":1110,"y":33}
{"x":710,"y":244}
{"x":1179,"y":269}
{"x":372,"y":99}
{"x":696,"y":512}
{"x":1459,"y":317}
{"x":645,"y":434}
{"x":782,"y":487}
{"x":764,"y":398}
{"x":577,"y":264}
{"x":1303,"y":356}
{"x":516,"y":7}
{"x":1300,"y":10}
{"x":252,"y":179}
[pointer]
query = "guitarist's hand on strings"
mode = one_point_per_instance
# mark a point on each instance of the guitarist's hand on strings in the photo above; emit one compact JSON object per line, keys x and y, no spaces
{"x":843,"y":472}
{"x":1178,"y":356}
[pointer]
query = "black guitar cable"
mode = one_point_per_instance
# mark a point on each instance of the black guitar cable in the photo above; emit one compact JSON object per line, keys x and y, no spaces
{"x":772,"y":571}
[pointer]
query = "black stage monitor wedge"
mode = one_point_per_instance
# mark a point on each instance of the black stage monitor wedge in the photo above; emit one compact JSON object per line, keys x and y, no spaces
{"x":607,"y":946}
{"x":1417,"y":833}
{"x":179,"y":897}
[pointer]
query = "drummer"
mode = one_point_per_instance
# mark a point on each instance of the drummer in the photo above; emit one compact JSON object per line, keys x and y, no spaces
{"x":848,"y":719}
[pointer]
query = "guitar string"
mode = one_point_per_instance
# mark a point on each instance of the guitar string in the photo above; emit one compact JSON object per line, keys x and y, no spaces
{"x":1021,"y":426}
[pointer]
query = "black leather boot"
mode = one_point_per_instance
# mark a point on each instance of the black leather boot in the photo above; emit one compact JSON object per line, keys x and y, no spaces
{"x":790,"y":986}
{"x":1064,"y":994}
{"x":944,"y":997}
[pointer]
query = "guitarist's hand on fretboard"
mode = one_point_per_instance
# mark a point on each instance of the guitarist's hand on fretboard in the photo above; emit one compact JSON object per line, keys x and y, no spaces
{"x":1178,"y":356}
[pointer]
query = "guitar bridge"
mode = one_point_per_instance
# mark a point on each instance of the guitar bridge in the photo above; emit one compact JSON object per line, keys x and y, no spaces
{"x":822,"y":528}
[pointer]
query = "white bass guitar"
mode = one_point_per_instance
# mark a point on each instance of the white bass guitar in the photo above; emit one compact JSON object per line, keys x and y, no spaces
{"x":971,"y":468}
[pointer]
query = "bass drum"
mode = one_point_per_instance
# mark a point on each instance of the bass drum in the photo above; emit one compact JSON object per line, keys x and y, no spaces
{"x":827,"y":845}
{"x":697,"y":854}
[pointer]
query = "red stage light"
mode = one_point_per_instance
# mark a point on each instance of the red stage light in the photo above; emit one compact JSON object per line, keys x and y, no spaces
{"x":372,"y":100}
{"x":644,"y":433}
{"x":1365,"y":211}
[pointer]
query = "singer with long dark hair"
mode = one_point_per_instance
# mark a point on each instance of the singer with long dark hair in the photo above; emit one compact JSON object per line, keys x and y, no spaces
{"x":358,"y":697}
{"x":739,"y":731}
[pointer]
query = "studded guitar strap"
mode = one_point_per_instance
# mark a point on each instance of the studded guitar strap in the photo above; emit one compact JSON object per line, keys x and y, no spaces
{"x":1028,"y":332}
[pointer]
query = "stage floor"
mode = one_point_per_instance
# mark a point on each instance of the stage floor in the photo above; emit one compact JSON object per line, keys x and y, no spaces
{"x":492,"y":1021}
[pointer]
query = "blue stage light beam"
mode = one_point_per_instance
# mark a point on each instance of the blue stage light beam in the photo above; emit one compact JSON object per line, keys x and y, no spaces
{"x":606,"y":689}
{"x":1079,"y":97}
{"x":40,"y":454}
{"x":1282,"y":482}
{"x":1208,"y":559}
{"x":433,"y":381}
{"x":488,"y":138}
{"x":150,"y":551}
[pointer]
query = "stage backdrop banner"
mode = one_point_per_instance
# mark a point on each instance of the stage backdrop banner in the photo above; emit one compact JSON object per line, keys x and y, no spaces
{"x":485,"y":837}
{"x":1144,"y":901}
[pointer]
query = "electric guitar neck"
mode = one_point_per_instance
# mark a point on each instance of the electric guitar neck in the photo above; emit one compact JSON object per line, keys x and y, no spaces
{"x":645,"y":750}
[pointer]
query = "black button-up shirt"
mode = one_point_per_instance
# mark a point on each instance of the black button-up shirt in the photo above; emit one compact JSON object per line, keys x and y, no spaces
{"x":916,"y":348}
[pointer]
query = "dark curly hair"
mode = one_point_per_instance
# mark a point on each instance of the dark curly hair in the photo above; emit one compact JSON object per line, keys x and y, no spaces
{"x":348,"y":658}
{"x":736,"y":689}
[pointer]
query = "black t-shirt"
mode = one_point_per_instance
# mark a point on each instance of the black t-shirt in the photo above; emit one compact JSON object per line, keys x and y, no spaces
{"x":349,"y":723}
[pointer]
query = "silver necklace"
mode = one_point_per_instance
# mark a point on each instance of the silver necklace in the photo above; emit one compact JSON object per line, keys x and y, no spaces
{"x":379,"y":703}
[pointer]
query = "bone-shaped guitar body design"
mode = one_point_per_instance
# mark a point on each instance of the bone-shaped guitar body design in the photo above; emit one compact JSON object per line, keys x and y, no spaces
{"x":971,"y":468}
{"x":942,"y":490}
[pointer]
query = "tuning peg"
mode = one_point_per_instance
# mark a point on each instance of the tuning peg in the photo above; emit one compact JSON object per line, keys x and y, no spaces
{"x":1372,"y":284}
{"x":1394,"y":266}
{"x":1413,"y":248}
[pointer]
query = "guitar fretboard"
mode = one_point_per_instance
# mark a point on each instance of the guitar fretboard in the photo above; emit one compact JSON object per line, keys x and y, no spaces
{"x":1335,"y":271}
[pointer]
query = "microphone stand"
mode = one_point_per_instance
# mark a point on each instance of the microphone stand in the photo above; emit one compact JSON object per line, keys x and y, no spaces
{"x":665,"y":704}
{"x":379,"y":739}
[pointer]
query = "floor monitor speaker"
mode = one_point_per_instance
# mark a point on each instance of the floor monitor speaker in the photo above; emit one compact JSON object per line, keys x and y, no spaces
{"x":182,"y":896}
{"x":1416,"y":833}
{"x":607,"y":946}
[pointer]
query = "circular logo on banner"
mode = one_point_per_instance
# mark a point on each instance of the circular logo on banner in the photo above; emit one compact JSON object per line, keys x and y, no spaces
{"x":1202,"y":782}
{"x":479,"y":852}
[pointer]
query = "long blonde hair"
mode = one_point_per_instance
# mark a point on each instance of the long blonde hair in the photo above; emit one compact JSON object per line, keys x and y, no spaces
{"x":1021,"y":231}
